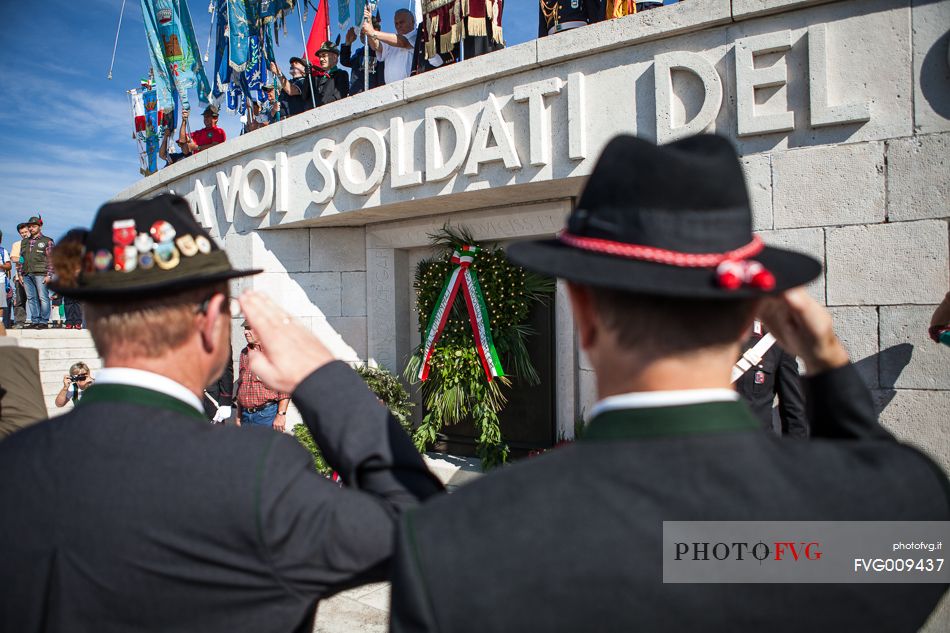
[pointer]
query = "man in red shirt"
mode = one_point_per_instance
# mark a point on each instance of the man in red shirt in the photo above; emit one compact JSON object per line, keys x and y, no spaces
{"x":258,"y":404}
{"x":209,"y":136}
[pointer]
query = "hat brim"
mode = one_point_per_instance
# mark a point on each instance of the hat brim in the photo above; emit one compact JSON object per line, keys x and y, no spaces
{"x":556,"y":259}
{"x":92,"y":293}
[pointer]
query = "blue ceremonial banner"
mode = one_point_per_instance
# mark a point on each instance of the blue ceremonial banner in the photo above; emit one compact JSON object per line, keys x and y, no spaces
{"x":244,"y":48}
{"x":150,"y":101}
{"x":359,"y":8}
{"x":174,"y":51}
{"x":343,"y":14}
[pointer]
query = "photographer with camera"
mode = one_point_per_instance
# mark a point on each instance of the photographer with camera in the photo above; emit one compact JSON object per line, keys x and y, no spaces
{"x":74,"y":384}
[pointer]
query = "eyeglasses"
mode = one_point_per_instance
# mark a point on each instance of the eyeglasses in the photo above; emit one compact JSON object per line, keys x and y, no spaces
{"x":233,"y":306}
{"x":80,"y":377}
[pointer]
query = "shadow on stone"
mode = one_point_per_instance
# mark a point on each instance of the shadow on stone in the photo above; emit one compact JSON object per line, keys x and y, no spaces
{"x":891,"y":362}
{"x":935,"y":76}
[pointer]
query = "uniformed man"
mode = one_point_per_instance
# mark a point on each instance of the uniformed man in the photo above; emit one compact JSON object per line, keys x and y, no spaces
{"x":772,"y":372}
{"x":132,"y":513}
{"x":555,"y":16}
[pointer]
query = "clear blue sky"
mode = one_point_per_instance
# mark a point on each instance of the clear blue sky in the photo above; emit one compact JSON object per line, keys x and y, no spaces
{"x":66,"y":141}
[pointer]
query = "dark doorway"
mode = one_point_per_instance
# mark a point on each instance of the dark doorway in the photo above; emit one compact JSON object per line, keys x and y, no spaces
{"x":527,"y":422}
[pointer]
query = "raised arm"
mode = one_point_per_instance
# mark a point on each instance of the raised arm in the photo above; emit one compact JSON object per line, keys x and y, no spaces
{"x":285,"y":85}
{"x":346,"y":536}
{"x":839,"y":404}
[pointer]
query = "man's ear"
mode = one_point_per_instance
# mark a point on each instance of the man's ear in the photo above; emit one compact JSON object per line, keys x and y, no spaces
{"x":214,"y":321}
{"x":585,"y":314}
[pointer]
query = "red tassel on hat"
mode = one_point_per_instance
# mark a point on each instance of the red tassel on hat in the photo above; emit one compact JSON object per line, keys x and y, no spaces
{"x":732,"y":274}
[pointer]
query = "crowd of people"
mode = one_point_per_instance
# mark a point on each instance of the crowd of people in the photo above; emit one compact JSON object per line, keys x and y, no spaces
{"x":389,"y":57}
{"x":27,"y":268}
{"x":133,"y":513}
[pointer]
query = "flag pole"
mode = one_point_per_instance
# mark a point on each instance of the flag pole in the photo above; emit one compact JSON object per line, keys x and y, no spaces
{"x":116,"y":44}
{"x":303,"y":39}
{"x":366,"y":48}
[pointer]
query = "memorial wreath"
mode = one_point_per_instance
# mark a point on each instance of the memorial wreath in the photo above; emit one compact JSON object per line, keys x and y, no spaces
{"x":467,"y":343}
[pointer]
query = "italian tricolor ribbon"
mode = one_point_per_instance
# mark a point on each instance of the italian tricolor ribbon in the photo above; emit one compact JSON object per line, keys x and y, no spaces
{"x":462,"y":276}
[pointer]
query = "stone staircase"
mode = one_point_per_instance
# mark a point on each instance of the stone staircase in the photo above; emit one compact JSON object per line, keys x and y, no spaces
{"x":59,"y":348}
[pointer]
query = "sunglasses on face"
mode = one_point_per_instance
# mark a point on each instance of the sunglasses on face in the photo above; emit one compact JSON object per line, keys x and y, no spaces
{"x":80,"y":377}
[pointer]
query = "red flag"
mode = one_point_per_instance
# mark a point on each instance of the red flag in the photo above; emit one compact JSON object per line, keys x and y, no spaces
{"x":319,"y":32}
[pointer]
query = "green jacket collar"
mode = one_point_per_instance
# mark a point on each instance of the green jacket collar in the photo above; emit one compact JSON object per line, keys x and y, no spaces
{"x":691,"y":419}
{"x":136,"y":395}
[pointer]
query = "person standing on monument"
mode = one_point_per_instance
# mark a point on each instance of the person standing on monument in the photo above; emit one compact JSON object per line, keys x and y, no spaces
{"x":393,"y":49}
{"x":36,"y":270}
{"x":664,"y":277}
{"x":21,"y":307}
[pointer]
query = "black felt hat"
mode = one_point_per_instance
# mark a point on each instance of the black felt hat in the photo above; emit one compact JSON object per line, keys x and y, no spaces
{"x":673,"y":220}
{"x":145,"y":247}
{"x":34,"y":220}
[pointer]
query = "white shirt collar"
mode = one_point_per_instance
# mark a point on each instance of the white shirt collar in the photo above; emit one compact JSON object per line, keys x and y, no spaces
{"x":148,"y":380}
{"x":652,"y":399}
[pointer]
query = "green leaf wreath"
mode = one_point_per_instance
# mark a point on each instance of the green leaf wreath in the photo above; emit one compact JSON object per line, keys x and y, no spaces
{"x":457,"y":387}
{"x":387,"y":388}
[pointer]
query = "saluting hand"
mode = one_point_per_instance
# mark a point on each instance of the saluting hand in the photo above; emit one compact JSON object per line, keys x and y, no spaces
{"x":804,"y":328}
{"x":288,"y":352}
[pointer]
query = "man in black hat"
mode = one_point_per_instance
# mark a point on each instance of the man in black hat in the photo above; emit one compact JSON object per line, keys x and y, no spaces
{"x":132,"y":513}
{"x":664,"y":278}
{"x":330,"y":82}
{"x":36,"y":270}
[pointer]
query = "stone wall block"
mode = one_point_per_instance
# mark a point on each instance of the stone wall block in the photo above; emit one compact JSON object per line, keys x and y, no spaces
{"x":240,"y":249}
{"x":354,"y":294}
{"x":886,"y":264}
{"x":919,"y":418}
{"x":906,"y":327}
{"x":931,"y":74}
{"x":808,"y":241}
{"x":857,"y":328}
{"x":286,"y":250}
{"x":758,"y":175}
{"x":743,"y":9}
{"x":337,"y":249}
{"x":345,"y":336}
{"x":587,"y":388}
{"x":918,"y":177}
{"x":310,"y":294}
{"x":828,"y":185}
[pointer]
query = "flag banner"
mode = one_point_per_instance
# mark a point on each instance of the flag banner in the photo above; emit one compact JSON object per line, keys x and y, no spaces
{"x":150,"y":103}
{"x":359,"y":8}
{"x":244,"y":48}
{"x":343,"y":14}
{"x":176,"y":59}
{"x":319,"y":32}
{"x":138,"y":111}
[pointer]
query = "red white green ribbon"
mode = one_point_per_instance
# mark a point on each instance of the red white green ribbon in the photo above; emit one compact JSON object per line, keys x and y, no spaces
{"x":462,"y":276}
